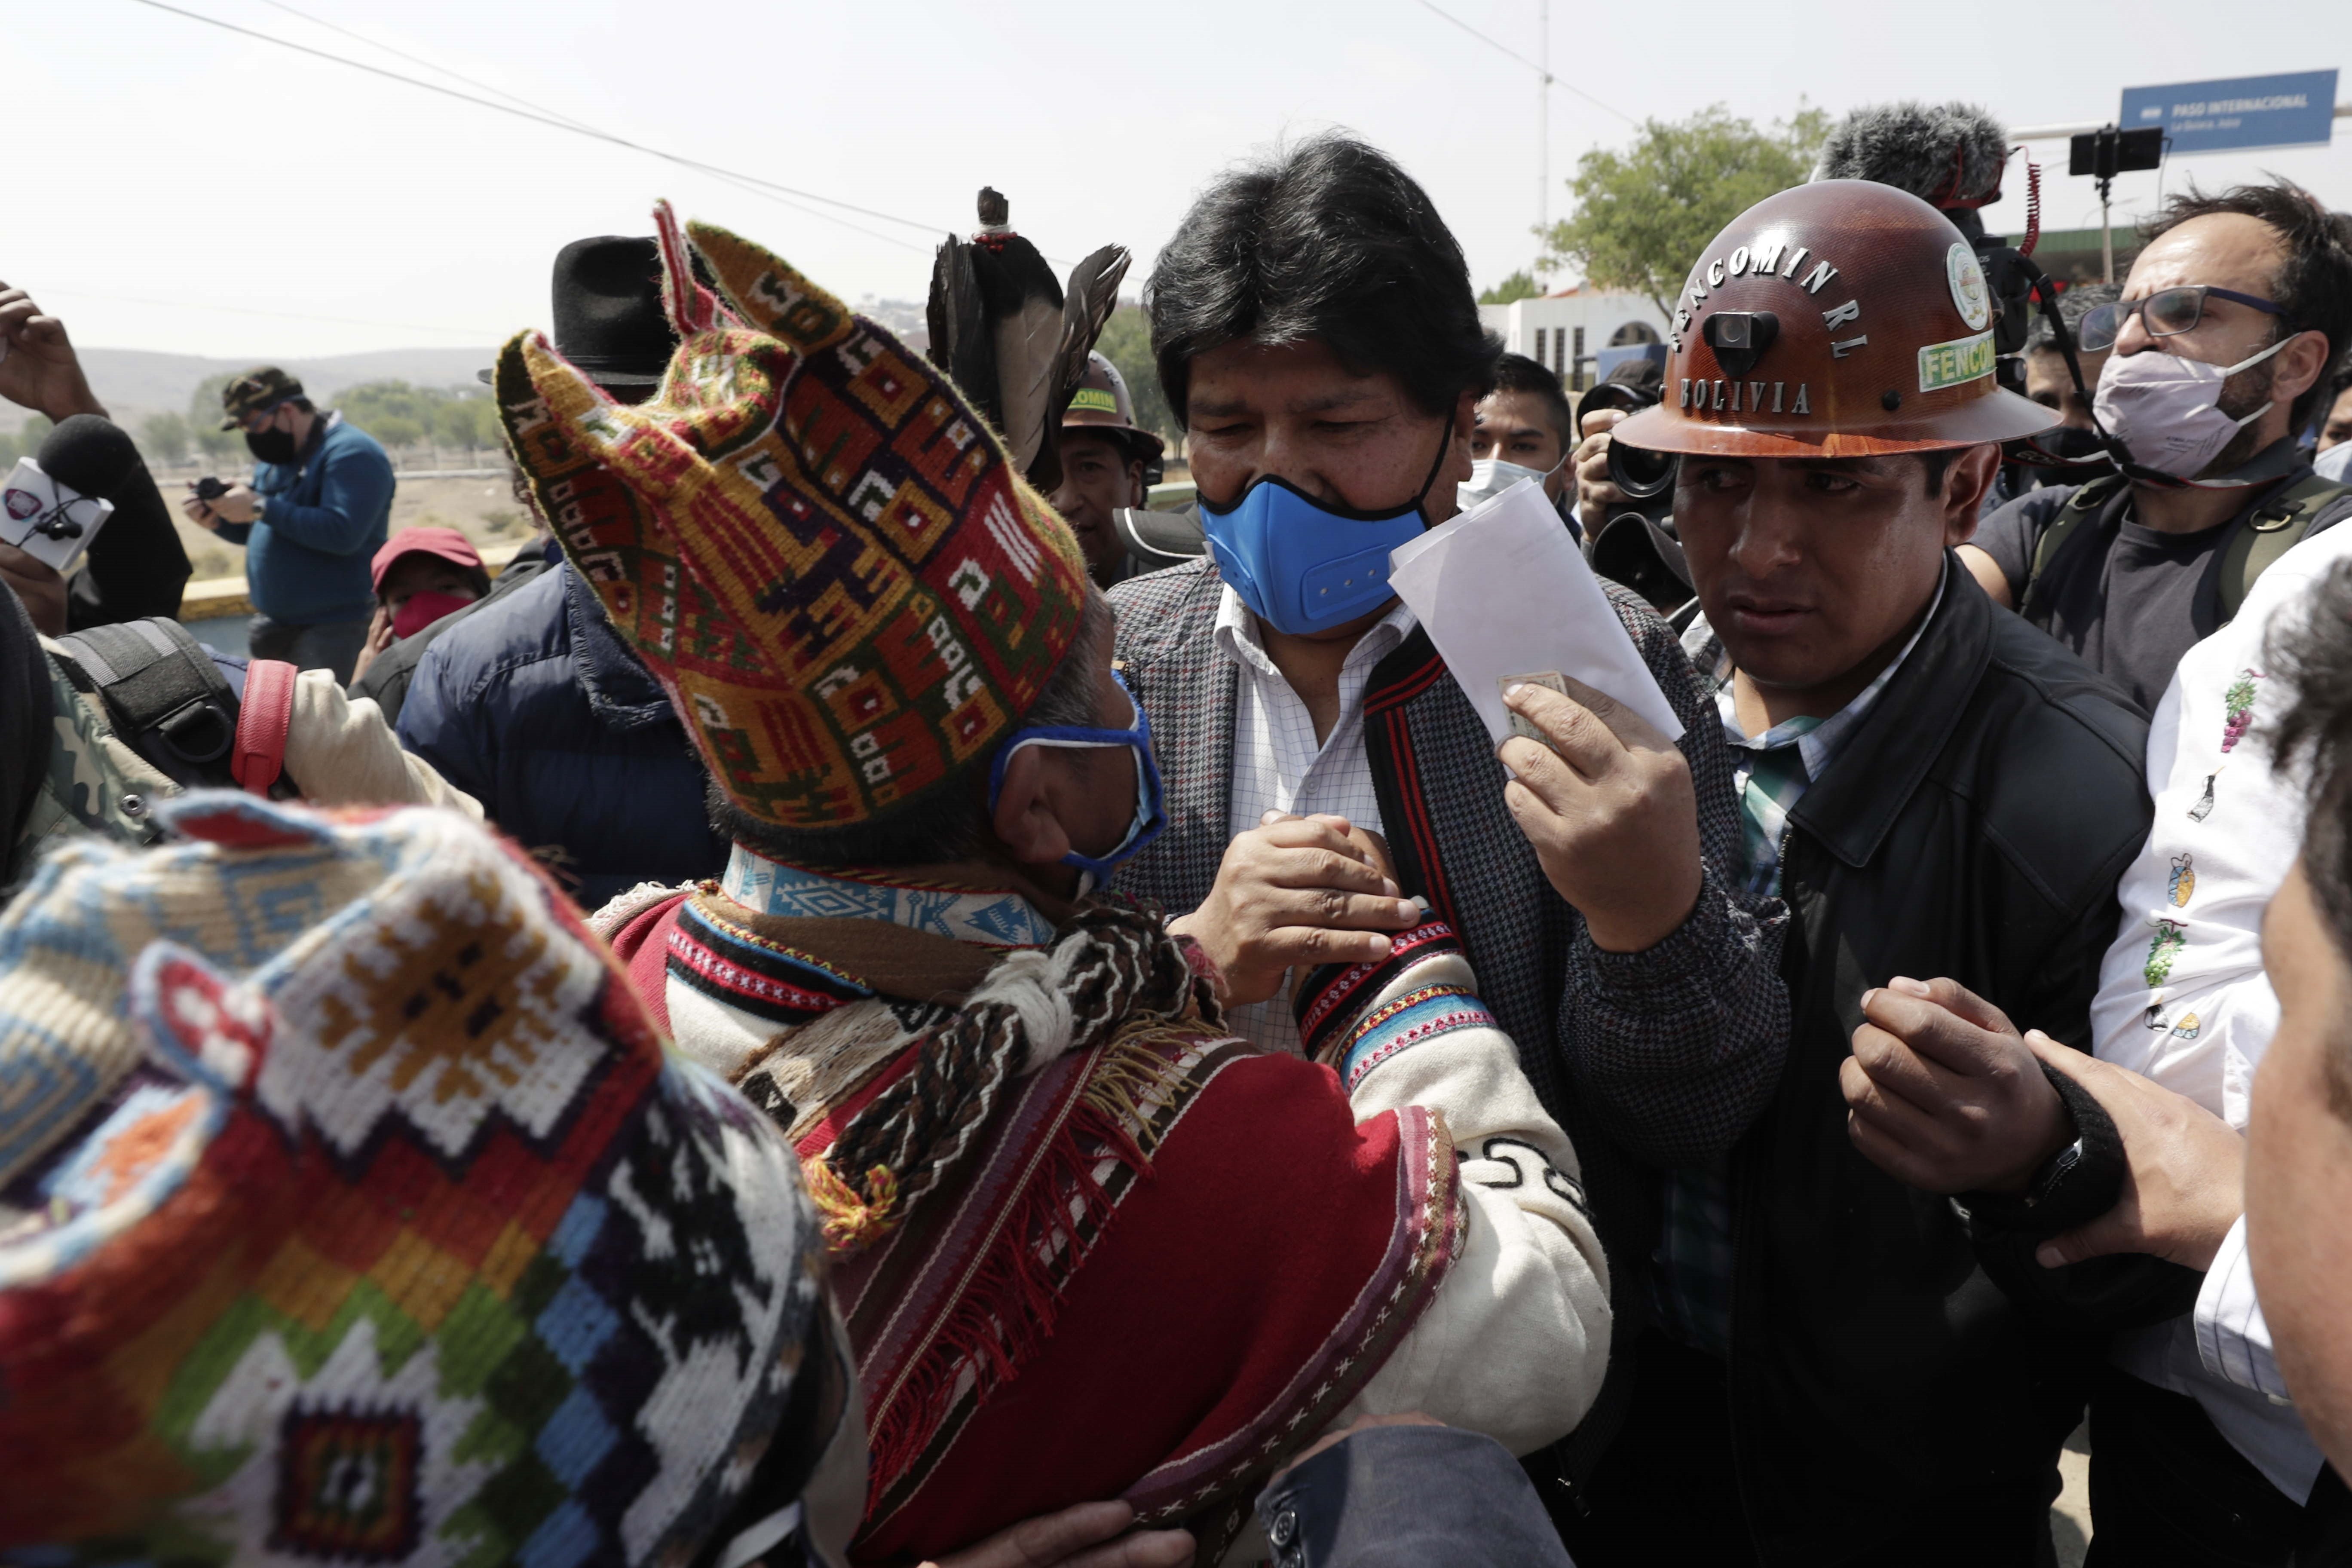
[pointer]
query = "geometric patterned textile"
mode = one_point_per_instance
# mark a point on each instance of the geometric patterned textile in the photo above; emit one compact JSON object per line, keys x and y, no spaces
{"x":991,"y":919}
{"x":352,"y":1210}
{"x":1430,"y":993}
{"x":809,"y":536}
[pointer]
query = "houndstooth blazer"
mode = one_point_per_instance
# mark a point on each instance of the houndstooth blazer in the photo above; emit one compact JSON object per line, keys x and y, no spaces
{"x":1669,"y":1052}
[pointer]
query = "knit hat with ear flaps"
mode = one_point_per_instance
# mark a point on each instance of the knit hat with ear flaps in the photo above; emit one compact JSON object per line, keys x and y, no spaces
{"x":351,"y":1210}
{"x":820,"y":551}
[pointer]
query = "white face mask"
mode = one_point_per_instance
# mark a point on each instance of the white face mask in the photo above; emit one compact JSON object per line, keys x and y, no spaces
{"x":2167,"y":409}
{"x":1490,"y":477}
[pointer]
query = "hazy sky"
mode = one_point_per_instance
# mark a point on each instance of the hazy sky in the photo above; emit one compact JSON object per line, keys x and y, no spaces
{"x":165,"y":176}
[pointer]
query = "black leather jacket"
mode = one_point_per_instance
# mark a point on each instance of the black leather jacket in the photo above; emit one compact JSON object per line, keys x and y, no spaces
{"x":1974,"y":826}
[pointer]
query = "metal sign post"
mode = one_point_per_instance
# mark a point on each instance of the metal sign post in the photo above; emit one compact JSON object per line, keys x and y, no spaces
{"x":2105,"y":153}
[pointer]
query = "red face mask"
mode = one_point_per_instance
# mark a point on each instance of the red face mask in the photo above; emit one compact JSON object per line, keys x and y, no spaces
{"x":422,"y":610}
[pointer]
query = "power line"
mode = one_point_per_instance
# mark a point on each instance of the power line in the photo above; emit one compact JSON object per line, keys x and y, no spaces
{"x":1541,"y":70}
{"x":757,"y":185}
{"x":357,"y":37}
{"x":573,"y":122}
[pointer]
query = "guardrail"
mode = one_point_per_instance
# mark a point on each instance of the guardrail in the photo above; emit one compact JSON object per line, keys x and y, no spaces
{"x":217,"y":598}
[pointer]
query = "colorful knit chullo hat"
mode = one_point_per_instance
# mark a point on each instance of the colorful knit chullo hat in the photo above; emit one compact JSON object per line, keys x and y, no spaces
{"x":820,"y":551}
{"x":351,"y":1210}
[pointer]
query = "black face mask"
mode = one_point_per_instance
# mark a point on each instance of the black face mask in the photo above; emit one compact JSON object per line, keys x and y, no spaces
{"x":272,"y":446}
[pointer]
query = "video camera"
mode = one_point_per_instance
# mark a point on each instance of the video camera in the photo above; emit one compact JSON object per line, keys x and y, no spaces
{"x":1637,"y":545}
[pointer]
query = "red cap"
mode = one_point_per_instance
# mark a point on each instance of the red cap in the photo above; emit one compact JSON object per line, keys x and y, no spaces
{"x":446,"y":542}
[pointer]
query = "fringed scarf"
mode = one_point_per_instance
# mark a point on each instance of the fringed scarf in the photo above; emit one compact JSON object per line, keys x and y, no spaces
{"x":1112,"y":972}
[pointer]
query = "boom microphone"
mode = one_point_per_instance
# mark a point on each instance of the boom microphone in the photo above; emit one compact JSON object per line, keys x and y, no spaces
{"x":1949,"y":156}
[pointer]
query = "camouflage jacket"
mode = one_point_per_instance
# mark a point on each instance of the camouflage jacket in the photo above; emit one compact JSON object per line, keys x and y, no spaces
{"x":96,"y":783}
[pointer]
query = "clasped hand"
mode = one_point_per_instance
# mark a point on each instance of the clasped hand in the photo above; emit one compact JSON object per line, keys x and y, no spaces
{"x":1296,"y":891}
{"x":235,"y":504}
{"x":2185,"y":1182}
{"x":1945,"y":1095}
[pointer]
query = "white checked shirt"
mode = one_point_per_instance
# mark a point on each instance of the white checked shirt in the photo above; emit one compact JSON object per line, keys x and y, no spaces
{"x":1278,"y":765}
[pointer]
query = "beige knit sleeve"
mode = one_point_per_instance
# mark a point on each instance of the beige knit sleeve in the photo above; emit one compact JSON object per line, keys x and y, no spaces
{"x":343,"y":752}
{"x":1517,"y":1339}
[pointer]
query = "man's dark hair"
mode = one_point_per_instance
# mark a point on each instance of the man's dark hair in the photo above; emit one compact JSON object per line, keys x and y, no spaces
{"x":954,"y":825}
{"x":1517,"y":372}
{"x":2073,"y":304}
{"x":2312,"y":660}
{"x":2315,"y":280}
{"x":1326,"y":241}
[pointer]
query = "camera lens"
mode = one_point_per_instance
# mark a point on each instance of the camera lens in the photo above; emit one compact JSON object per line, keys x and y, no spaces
{"x":1640,"y":472}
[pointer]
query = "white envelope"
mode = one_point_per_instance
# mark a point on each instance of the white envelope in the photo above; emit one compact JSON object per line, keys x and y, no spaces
{"x":1504,"y":591}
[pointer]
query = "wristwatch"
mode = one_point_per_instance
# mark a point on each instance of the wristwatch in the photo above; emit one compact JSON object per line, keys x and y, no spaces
{"x":260,"y":509}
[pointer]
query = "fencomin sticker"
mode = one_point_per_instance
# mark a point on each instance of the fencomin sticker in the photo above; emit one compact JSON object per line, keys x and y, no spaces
{"x":1949,"y":364}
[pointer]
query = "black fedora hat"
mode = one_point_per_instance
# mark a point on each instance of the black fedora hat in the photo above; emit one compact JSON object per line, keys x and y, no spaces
{"x":608,"y":312}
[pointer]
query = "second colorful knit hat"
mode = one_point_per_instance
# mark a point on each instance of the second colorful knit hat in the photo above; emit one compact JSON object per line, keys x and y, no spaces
{"x":817,"y":547}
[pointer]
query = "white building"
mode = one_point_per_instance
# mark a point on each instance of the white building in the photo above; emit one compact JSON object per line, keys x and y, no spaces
{"x":1565,"y":331}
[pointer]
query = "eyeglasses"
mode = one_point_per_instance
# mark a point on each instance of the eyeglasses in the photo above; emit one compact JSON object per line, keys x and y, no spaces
{"x":2166,"y":313}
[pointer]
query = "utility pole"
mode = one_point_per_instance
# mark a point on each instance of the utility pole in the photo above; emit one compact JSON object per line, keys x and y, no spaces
{"x":1543,"y":131}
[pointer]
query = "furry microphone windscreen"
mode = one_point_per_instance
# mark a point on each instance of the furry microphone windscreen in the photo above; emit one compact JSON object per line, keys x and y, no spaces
{"x":1947,"y":154}
{"x":94,"y":455}
{"x":90,"y":455}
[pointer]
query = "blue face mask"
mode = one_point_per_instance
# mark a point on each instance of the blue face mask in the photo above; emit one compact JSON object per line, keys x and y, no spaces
{"x":1306,"y":566}
{"x":1150,"y":815}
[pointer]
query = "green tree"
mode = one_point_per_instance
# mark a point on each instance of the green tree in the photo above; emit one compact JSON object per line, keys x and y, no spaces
{"x":218,"y":446}
{"x":471,"y":423}
{"x":1644,"y":215}
{"x":167,"y":439}
{"x":1510,"y":291}
{"x":1126,"y":342}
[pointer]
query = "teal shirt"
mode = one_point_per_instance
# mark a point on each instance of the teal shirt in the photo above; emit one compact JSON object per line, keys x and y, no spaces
{"x":308,"y":562}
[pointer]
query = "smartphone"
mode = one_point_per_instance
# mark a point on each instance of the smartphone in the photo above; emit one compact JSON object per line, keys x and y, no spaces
{"x":48,"y":520}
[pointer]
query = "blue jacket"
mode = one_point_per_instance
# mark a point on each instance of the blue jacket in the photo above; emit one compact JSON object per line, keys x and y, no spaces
{"x":1401,"y":1497}
{"x":307,"y":560}
{"x":532,"y":706}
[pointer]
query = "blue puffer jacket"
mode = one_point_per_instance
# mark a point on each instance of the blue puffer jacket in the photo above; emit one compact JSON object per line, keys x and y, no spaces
{"x":532,"y":706}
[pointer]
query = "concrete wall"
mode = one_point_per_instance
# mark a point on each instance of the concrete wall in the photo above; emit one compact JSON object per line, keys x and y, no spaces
{"x":1548,"y":329}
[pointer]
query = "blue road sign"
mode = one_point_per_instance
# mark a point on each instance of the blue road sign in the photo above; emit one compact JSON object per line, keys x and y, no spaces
{"x":2295,"y":110}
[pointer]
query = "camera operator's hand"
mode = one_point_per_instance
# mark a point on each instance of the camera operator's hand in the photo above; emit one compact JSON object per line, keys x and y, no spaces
{"x":238,"y":503}
{"x":38,"y":369}
{"x":1596,"y":499}
{"x":38,"y":585}
{"x":198,"y":511}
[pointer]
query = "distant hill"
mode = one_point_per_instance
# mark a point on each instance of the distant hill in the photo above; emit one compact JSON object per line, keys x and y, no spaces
{"x":134,"y":383}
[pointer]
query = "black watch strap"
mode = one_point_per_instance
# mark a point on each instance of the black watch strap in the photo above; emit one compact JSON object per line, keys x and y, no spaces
{"x":2073,"y":1187}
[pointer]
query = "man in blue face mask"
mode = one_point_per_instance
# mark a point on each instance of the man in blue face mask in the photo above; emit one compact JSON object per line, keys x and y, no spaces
{"x":1314,"y":323}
